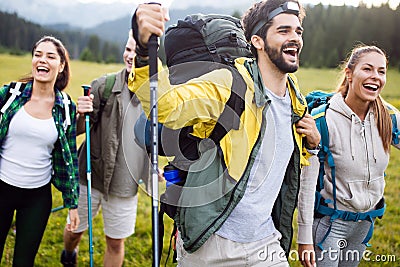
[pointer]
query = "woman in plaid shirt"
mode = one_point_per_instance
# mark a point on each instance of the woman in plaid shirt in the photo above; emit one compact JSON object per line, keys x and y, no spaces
{"x":37,"y":150}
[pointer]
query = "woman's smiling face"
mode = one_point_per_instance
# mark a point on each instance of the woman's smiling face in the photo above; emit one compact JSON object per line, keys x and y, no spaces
{"x":46,"y":63}
{"x":368,"y":77}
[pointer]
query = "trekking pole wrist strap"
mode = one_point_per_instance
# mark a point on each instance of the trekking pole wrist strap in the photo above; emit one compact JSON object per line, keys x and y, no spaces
{"x":141,"y":61}
{"x":140,"y":49}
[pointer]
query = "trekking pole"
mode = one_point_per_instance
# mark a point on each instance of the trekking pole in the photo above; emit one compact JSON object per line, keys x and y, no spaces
{"x":86,"y":92}
{"x":57,"y":208}
{"x":153,"y":46}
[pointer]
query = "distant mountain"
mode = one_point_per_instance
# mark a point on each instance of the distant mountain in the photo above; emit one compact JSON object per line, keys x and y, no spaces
{"x":62,"y":27}
{"x":117,"y":30}
{"x":113,"y":31}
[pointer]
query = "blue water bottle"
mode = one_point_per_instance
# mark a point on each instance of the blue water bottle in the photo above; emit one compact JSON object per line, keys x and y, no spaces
{"x":171,"y":174}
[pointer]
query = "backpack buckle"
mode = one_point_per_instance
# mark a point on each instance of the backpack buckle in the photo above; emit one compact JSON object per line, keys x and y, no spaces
{"x":350,"y":216}
{"x":212,"y":48}
{"x":233,"y":36}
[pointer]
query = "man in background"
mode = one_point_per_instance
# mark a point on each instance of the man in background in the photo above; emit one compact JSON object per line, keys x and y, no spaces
{"x":117,"y":162}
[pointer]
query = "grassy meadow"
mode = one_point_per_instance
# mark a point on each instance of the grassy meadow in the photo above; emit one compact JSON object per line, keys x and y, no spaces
{"x":138,"y":248}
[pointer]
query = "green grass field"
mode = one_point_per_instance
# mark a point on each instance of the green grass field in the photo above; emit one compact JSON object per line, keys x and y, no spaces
{"x":138,"y":248}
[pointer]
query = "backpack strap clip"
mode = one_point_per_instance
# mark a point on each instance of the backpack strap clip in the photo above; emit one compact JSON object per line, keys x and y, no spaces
{"x":66,"y":102}
{"x":233,"y":36}
{"x":212,"y":48}
{"x":14,"y":90}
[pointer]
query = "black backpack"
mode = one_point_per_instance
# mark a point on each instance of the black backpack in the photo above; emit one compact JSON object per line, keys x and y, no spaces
{"x":199,"y":37}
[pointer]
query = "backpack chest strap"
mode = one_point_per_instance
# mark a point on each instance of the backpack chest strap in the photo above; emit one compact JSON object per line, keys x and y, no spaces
{"x":347,"y":216}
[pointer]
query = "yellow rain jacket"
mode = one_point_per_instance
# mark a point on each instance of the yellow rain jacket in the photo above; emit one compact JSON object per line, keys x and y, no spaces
{"x":217,"y":181}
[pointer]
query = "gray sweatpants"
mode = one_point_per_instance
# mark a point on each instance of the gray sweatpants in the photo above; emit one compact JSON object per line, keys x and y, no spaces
{"x":343,"y":247}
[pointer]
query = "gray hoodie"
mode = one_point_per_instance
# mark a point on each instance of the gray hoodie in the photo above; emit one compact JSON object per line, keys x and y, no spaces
{"x":360,"y":161}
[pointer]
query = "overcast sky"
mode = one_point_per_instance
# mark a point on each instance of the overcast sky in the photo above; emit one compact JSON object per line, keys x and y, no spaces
{"x":184,"y":4}
{"x":46,"y":12}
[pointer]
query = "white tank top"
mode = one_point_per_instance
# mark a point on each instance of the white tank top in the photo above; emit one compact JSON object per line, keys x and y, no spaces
{"x":25,"y":159}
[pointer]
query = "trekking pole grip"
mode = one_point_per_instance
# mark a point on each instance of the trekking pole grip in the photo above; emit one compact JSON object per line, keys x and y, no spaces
{"x":86,"y":90}
{"x":152,"y":46}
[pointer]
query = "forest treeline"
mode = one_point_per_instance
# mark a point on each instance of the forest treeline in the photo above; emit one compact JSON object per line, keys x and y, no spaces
{"x":18,"y":36}
{"x":330,"y":33}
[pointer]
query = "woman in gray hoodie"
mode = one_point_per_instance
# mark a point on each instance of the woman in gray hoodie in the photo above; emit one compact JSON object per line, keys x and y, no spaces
{"x":360,"y":136}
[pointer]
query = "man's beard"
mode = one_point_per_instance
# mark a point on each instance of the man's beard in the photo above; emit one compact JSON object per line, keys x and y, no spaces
{"x":277,"y":58}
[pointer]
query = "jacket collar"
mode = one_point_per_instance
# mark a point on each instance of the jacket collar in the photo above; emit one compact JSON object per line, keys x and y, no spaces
{"x":298,"y":101}
{"x":27,"y":93}
{"x":59,"y":98}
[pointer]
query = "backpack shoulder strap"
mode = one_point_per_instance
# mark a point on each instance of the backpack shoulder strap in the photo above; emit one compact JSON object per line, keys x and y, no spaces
{"x":109,"y":84}
{"x":318,"y":114}
{"x":66,"y":111}
{"x":395,"y":129}
{"x":234,"y":107}
{"x":324,"y":154}
{"x":14,"y":90}
{"x":110,"y":81}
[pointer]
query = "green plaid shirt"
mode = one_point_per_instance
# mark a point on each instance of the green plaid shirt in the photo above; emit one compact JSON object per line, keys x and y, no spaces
{"x":64,"y":156}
